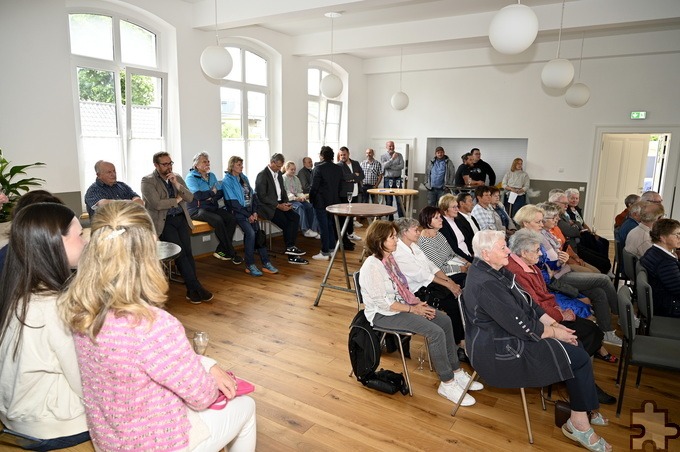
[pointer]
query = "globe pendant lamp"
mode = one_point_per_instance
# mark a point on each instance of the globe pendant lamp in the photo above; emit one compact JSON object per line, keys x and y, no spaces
{"x":578,"y":94}
{"x":558,"y":73}
{"x":216,"y":61}
{"x":331,"y":85}
{"x":400,"y":99}
{"x":513,"y":29}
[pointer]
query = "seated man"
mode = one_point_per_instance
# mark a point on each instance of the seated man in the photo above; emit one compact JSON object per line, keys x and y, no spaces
{"x":166,"y":196}
{"x":106,"y":188}
{"x":465,"y":221}
{"x":480,"y":169}
{"x":483,"y":212}
{"x":639,"y":239}
{"x":629,"y":201}
{"x":274,"y":206}
{"x":305,"y":174}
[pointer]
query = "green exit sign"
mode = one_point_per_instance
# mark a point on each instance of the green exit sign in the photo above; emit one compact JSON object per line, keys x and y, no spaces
{"x":638,"y":115}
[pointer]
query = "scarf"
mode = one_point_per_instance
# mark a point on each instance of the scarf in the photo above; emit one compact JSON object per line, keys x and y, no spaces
{"x":399,"y":280}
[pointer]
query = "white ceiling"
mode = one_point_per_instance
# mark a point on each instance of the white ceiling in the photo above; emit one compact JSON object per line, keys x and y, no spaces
{"x":378,"y":28}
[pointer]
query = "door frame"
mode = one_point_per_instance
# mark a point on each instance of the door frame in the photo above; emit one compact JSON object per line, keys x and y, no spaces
{"x":671,"y":195}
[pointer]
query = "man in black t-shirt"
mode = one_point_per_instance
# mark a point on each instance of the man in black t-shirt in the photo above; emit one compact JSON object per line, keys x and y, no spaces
{"x":481,"y":169}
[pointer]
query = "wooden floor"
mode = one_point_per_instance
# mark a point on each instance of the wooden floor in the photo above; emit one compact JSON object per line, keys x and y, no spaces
{"x":267,"y":331}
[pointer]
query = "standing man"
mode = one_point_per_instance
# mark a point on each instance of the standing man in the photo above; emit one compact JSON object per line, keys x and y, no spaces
{"x":439,"y":172}
{"x":274,"y":206}
{"x":324,"y":192}
{"x":107,"y":188}
{"x":305,"y":174}
{"x":352,"y":179}
{"x":463,"y":171}
{"x":166,"y":196}
{"x":481,"y":169}
{"x":392,"y":164}
{"x":373,"y":173}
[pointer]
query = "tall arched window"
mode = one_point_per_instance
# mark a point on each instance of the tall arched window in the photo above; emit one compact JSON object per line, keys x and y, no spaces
{"x":121,"y":95}
{"x":245,"y":110}
{"x":324,"y":116}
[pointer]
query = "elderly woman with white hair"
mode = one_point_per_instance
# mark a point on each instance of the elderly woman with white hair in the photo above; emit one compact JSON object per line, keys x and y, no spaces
{"x":426,"y":280}
{"x":513,"y":342}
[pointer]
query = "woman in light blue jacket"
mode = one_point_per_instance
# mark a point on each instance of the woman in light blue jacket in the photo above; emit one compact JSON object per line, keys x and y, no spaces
{"x":241,"y":201}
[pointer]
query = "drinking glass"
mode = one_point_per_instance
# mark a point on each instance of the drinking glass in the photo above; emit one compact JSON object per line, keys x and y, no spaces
{"x":201,"y":340}
{"x":421,"y":358}
{"x":349,"y":198}
{"x":391,"y":185}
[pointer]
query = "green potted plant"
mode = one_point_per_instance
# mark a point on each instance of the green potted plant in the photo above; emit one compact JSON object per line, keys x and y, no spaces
{"x":12,"y":188}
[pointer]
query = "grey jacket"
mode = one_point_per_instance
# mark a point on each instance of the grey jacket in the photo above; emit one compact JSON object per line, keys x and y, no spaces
{"x":157,"y":201}
{"x":449,"y":175}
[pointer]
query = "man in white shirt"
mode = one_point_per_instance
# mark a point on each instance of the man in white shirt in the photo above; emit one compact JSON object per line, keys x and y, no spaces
{"x":638,"y":240}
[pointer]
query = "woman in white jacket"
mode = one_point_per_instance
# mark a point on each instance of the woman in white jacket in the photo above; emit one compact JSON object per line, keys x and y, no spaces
{"x":40,"y":388}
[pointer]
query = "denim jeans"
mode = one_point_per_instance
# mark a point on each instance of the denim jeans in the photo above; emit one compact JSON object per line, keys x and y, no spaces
{"x":396,"y":181}
{"x":249,"y":230}
{"x":326,"y":229}
{"x":307,"y":216}
{"x":434,"y":195}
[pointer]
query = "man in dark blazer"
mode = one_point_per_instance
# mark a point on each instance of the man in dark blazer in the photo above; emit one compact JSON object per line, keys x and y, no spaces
{"x":465,"y":221}
{"x":165,"y":197}
{"x":352,"y":181}
{"x":325,"y":191}
{"x":274,"y":206}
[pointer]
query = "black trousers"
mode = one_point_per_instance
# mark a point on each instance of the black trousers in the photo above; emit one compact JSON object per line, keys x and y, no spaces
{"x":581,"y":388}
{"x":177,"y":231}
{"x":289,"y":223}
{"x":588,"y":333}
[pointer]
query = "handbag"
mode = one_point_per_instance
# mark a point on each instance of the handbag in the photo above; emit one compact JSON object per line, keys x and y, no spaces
{"x":562,"y":413}
{"x":260,"y":239}
{"x":243,"y":387}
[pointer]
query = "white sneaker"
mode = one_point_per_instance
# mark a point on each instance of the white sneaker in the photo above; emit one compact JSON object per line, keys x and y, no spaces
{"x":357,"y":224}
{"x":321,"y":257}
{"x":353,"y":236}
{"x":317,"y":236}
{"x":310,"y":233}
{"x":453,"y":392}
{"x":611,"y":338}
{"x":462,"y":379}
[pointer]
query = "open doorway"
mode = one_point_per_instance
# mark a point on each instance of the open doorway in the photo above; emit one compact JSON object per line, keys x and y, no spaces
{"x":628,"y":163}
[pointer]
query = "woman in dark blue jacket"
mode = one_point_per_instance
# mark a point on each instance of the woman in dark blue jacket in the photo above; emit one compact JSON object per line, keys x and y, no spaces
{"x":663,"y":267}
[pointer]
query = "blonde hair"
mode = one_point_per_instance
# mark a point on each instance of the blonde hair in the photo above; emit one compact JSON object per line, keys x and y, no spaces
{"x":527,"y":214}
{"x":515,"y":163}
{"x":233,"y":160}
{"x":119,"y":271}
{"x":445,"y":201}
{"x":288,"y":164}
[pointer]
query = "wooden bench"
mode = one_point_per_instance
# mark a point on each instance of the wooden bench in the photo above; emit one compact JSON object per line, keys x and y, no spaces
{"x":201,"y":227}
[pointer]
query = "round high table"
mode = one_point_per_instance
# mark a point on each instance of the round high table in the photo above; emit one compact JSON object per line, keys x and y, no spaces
{"x":405,"y":193}
{"x":360,"y":210}
{"x":166,"y":253}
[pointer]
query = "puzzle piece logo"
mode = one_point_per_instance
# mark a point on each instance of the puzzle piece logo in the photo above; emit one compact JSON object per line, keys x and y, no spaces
{"x":654,"y":426}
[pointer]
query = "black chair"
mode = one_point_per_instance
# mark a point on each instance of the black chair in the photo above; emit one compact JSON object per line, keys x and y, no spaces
{"x":630,"y":261}
{"x":618,"y":267}
{"x":399,"y":335}
{"x":642,"y":351}
{"x":474,"y":377}
{"x":666,"y":327}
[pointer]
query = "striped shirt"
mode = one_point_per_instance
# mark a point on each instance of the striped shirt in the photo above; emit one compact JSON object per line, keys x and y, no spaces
{"x":438,"y":250}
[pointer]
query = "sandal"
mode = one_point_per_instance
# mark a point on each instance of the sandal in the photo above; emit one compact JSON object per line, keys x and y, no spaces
{"x":608,"y":358}
{"x":598,"y":419}
{"x":583,"y":438}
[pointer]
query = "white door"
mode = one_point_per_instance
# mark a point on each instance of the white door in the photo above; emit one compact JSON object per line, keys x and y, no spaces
{"x":621,"y":172}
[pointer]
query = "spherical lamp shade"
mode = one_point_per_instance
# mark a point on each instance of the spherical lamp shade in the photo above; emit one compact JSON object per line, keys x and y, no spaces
{"x":399,"y":100}
{"x":331,"y":86}
{"x":216,"y":62}
{"x":513,"y":29}
{"x":557,"y":73}
{"x":577,"y":95}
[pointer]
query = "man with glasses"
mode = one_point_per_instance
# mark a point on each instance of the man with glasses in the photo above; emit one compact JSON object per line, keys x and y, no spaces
{"x":166,"y":197}
{"x":107,"y":188}
{"x":274,"y":206}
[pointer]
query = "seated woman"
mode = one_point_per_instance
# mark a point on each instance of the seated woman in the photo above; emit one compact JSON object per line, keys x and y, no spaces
{"x":437,"y":249}
{"x":204,"y":207}
{"x":663,"y":267}
{"x":390,"y":304}
{"x":589,"y":239}
{"x":41,"y":388}
{"x":512,"y":342}
{"x":509,"y":226}
{"x":596,"y":286}
{"x":293,"y":186}
{"x":516,"y":181}
{"x":448,"y":208}
{"x":422,"y":276}
{"x":552,"y":211}
{"x":241,"y":200}
{"x":144,"y":387}
{"x":526,"y":251}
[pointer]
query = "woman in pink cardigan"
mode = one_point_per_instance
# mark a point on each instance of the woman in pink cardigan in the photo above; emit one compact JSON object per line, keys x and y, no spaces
{"x":144,"y":387}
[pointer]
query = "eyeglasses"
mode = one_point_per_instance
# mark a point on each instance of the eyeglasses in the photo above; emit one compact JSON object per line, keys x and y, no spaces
{"x":548,"y":219}
{"x":166,"y":163}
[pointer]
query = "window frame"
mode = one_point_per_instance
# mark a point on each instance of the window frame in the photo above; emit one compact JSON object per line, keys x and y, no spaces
{"x":323,"y":103}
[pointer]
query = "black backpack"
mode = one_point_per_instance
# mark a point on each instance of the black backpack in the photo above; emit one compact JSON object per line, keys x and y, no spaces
{"x":364,"y":348}
{"x":364,"y":354}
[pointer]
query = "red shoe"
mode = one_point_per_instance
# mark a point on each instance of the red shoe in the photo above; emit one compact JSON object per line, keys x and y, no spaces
{"x":608,"y":357}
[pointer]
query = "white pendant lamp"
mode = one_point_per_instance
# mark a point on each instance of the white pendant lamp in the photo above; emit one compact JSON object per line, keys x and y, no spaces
{"x":400,"y":99}
{"x":513,"y":29}
{"x":216,"y":61}
{"x":558,"y":73}
{"x":578,"y":94}
{"x":331,"y":85}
